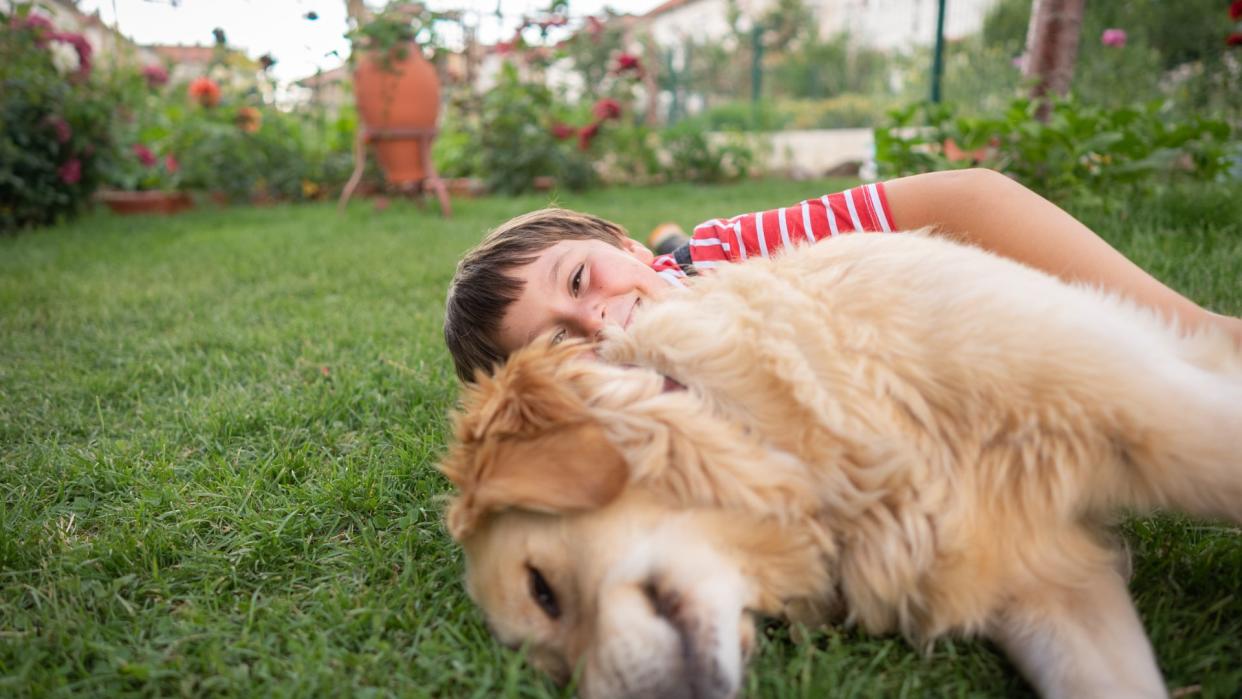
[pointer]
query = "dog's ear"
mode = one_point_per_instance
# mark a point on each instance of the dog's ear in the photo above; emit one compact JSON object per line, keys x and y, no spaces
{"x":568,"y":468}
{"x":526,"y":395}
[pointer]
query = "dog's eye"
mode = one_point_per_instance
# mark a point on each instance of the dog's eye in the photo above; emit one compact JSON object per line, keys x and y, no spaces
{"x":542,"y":593}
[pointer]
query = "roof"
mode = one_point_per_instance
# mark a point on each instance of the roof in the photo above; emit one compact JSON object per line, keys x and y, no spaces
{"x":667,"y":6}
{"x":328,"y":77}
{"x":183,"y":54}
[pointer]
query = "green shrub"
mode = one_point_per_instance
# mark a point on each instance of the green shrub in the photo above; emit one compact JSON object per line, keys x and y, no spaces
{"x":745,"y":116}
{"x":53,"y":126}
{"x":841,"y":112}
{"x":516,"y":140}
{"x":280,"y":154}
{"x":1079,"y":147}
{"x":455,"y":154}
{"x":695,"y":155}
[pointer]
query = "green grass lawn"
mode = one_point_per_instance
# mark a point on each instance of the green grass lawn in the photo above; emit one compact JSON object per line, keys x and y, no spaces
{"x":217,"y":440}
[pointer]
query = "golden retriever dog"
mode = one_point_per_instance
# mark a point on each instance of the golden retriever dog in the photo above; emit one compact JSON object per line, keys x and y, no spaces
{"x":895,"y":431}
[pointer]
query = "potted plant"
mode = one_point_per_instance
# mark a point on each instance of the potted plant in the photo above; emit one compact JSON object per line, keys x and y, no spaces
{"x":395,"y":85}
{"x":139,"y":181}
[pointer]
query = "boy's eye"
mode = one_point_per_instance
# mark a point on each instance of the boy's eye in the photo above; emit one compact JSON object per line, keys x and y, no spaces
{"x":575,"y":282}
{"x":559,"y":337}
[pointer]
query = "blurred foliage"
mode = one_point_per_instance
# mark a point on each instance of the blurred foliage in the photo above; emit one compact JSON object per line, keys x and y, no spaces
{"x":1174,"y":51}
{"x":53,"y":126}
{"x":695,"y":155}
{"x":516,"y":141}
{"x":1081,"y":149}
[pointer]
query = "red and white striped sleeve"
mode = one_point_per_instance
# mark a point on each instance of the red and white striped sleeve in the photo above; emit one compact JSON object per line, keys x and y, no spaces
{"x":666,"y":266}
{"x":764,"y":233}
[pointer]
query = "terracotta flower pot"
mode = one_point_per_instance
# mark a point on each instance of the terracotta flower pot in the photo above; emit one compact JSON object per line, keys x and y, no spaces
{"x":144,"y":202}
{"x":403,"y":94}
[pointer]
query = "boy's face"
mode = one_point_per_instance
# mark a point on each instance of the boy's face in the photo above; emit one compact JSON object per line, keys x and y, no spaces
{"x":578,"y":287}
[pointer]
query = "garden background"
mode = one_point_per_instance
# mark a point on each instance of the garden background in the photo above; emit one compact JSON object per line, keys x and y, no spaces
{"x":218,"y":429}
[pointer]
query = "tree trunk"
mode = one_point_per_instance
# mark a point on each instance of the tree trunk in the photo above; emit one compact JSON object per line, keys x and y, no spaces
{"x":1052,"y":49}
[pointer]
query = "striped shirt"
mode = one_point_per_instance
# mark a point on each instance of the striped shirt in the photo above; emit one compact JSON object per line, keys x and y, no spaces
{"x":765,"y":233}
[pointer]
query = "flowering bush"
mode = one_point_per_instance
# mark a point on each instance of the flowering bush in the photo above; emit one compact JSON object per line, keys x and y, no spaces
{"x":139,"y":168}
{"x":53,"y":117}
{"x":205,"y":92}
{"x":1080,"y":148}
{"x":1113,"y":37}
{"x":518,"y":142}
{"x":155,"y":75}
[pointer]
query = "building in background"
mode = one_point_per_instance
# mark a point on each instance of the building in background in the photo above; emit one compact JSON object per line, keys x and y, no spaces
{"x":108,"y":46}
{"x":891,"y":25}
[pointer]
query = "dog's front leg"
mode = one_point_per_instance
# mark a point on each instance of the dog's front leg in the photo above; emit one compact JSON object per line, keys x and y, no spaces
{"x":1076,"y":641}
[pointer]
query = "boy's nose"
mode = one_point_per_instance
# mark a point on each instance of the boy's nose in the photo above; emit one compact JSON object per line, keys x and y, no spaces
{"x":592,"y":317}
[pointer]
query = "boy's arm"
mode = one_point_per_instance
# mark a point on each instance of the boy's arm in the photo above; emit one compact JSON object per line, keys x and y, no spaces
{"x":990,"y":210}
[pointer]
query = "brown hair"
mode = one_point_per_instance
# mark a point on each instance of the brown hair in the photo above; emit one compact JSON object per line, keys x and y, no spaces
{"x":482,"y":290}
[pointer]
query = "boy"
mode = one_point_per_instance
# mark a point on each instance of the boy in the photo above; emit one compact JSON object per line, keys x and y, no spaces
{"x":571,"y":273}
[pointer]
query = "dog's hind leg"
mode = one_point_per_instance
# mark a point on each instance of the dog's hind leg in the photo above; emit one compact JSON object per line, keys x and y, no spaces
{"x":1081,"y":640}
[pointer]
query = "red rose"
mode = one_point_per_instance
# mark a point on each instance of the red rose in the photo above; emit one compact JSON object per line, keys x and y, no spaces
{"x":587,"y":134}
{"x":1234,"y":39}
{"x":71,"y":171}
{"x":628,"y":61}
{"x":563,"y":131}
{"x":145,"y":156}
{"x":1235,"y":10}
{"x":607,"y":108}
{"x":205,"y":91}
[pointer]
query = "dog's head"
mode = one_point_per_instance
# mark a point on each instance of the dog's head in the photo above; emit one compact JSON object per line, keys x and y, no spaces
{"x":593,"y":568}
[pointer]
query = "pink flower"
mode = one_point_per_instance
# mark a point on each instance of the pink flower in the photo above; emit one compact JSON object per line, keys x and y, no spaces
{"x":587,"y":134}
{"x":607,"y":108}
{"x":563,"y":131}
{"x":1113,"y":37}
{"x":205,"y":91}
{"x":627,"y":62}
{"x":156,"y":75}
{"x":61,"y":127}
{"x":39,"y":24}
{"x":79,"y":44}
{"x":1235,"y":10}
{"x":145,"y":156}
{"x":71,"y":171}
{"x":171,"y":164}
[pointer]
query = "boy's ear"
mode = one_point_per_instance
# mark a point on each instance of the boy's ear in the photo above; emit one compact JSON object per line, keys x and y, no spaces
{"x":638,"y":250}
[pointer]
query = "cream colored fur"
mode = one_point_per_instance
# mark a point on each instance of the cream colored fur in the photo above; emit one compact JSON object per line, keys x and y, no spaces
{"x":915,"y":433}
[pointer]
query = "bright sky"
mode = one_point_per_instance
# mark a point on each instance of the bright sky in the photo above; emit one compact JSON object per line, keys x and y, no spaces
{"x":300,"y":46}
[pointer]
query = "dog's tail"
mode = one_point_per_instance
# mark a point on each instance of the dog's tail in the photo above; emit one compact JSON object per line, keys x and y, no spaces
{"x":1178,"y":433}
